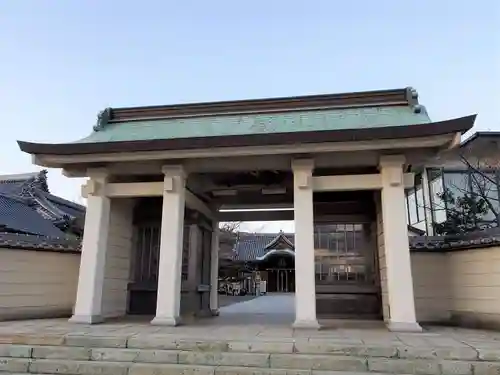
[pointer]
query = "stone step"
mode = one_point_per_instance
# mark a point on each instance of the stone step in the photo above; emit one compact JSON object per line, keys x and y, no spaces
{"x":75,"y":360}
{"x":85,"y":354}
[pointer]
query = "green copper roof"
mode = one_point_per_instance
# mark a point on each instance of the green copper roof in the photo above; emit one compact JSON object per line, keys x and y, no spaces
{"x":267,"y":123}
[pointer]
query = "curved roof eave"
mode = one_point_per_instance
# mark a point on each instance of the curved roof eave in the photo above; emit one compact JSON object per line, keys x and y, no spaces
{"x":276,"y":252}
{"x":457,"y":125}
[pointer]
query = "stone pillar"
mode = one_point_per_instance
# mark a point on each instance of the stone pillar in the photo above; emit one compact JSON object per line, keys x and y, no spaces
{"x":214,"y":270}
{"x":171,"y":244}
{"x":305,"y":287}
{"x":397,"y":250}
{"x":88,"y":306}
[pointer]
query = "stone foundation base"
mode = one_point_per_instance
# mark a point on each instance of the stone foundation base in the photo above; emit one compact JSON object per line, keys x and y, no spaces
{"x":306,"y":324}
{"x":215,"y":312}
{"x":404,"y":327}
{"x":171,"y":322}
{"x":86,"y":319}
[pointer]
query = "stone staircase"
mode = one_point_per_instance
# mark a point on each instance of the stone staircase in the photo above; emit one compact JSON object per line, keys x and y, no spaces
{"x":166,"y":355}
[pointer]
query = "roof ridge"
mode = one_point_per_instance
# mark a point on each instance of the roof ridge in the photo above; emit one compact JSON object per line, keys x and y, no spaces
{"x":396,"y":97}
{"x":45,"y":204}
{"x":18,"y":177}
{"x":65,"y":202}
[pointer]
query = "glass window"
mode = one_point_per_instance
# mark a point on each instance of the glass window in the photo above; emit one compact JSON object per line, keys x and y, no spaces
{"x":420,"y":203}
{"x":456,"y":183}
{"x":436,"y":189}
{"x":412,"y":207}
{"x":484,"y":186}
{"x":407,"y":215}
{"x":343,"y":253}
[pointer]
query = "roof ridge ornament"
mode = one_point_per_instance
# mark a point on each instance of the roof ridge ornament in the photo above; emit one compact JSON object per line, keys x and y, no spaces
{"x":419,"y":108}
{"x":412,"y":96}
{"x":103,"y":118}
{"x":41,"y":181}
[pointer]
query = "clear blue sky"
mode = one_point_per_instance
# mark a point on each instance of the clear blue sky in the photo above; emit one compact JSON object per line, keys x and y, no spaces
{"x":64,"y":60}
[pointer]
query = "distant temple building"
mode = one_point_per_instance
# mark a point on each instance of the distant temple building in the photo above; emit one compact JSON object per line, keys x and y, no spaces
{"x":30,"y":216}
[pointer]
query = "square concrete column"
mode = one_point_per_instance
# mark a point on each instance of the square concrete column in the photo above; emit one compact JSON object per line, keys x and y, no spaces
{"x":88,"y":306}
{"x":305,"y":286}
{"x":397,"y":250}
{"x":214,"y":270}
{"x":171,"y":245}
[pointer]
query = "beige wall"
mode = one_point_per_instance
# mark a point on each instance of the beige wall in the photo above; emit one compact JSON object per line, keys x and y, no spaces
{"x":118,"y":258}
{"x":431,"y":286}
{"x":35,"y":284}
{"x":475,"y":287}
{"x":461,"y":286}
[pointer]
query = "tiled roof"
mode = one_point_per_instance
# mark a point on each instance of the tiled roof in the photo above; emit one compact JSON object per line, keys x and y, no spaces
{"x":246,"y":124}
{"x":31,"y":242}
{"x":27,"y":206}
{"x":68,"y":207}
{"x":18,"y":215}
{"x":478,"y":239}
{"x":249,"y":247}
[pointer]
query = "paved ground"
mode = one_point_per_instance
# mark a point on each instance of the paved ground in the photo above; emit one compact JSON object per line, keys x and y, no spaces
{"x":220,"y":329}
{"x":231,"y":300}
{"x":270,"y":304}
{"x":262,"y":337}
{"x":266,"y":318}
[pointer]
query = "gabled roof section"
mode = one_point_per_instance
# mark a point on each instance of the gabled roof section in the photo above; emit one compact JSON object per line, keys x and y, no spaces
{"x":480,"y":136}
{"x":26,"y":206}
{"x":280,"y":238}
{"x":20,"y":184}
{"x":251,"y":246}
{"x":20,"y":215}
{"x":382,"y":114}
{"x":34,"y":185}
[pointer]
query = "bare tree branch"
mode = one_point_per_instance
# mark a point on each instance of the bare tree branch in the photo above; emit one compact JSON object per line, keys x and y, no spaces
{"x":230,"y":227}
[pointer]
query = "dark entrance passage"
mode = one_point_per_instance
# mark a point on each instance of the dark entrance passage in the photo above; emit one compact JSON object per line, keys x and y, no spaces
{"x":345,"y":250}
{"x":346,"y":271}
{"x":281,"y":280}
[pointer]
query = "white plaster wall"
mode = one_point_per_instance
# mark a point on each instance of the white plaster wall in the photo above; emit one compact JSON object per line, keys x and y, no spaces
{"x":431,"y":286}
{"x":37,"y":284}
{"x":118,"y":258}
{"x":475,"y":286}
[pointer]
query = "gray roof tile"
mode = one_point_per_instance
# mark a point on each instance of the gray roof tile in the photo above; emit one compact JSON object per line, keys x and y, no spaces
{"x":27,"y":206}
{"x":18,"y":215}
{"x":250,"y":246}
{"x":32,"y":242}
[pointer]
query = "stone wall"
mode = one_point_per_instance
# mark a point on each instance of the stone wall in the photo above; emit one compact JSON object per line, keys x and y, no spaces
{"x":118,"y":258}
{"x":37,"y":283}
